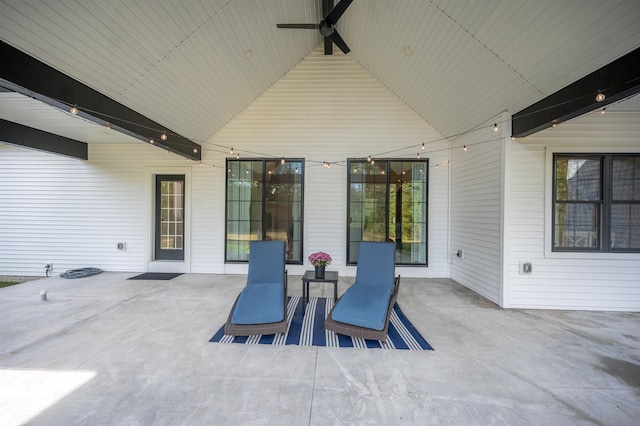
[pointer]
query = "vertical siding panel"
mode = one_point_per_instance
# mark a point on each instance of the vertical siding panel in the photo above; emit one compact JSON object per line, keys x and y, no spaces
{"x":476,"y":212}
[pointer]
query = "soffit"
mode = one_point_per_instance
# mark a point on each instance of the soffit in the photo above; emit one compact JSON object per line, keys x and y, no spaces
{"x":183,"y":64}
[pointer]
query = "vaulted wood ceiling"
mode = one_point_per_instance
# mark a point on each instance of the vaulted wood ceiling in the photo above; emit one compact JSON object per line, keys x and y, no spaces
{"x":194,"y":65}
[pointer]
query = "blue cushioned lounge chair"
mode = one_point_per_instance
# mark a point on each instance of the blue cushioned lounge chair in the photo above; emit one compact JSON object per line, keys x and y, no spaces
{"x":261,"y":306}
{"x":365,"y":308}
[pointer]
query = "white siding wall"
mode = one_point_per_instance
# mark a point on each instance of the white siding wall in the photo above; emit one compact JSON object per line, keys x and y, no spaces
{"x":331,"y":109}
{"x":565,"y":280}
{"x":476,"y":209}
{"x":73,"y":213}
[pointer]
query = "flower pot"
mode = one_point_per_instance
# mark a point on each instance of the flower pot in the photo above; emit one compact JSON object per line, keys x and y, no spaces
{"x":320,"y":272}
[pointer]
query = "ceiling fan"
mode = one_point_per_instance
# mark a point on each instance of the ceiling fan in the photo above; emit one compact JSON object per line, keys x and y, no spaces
{"x":326,"y":26}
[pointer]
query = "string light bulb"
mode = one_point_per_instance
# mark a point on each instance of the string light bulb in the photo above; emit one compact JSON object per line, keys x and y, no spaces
{"x":231,"y":150}
{"x":237,"y":156}
{"x":600,"y":97}
{"x":418,"y":156}
{"x":464,"y":148}
{"x":369,"y":159}
{"x":603,"y":110}
{"x":422,"y":147}
{"x":195,"y":150}
{"x":495,"y":127}
{"x":163,"y":136}
{"x":282,"y":160}
{"x":151,"y":141}
{"x":73,"y":110}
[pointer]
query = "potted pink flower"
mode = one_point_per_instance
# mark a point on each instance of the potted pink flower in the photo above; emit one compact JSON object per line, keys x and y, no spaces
{"x":320,"y":260}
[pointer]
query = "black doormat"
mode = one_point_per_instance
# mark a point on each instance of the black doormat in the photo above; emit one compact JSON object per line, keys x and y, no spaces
{"x":156,"y":276}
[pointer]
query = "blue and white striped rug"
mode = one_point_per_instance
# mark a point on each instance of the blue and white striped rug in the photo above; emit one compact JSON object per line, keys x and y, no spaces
{"x":308,"y":330}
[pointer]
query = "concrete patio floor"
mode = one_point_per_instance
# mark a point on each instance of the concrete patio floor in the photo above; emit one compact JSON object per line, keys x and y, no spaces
{"x":105,"y":350}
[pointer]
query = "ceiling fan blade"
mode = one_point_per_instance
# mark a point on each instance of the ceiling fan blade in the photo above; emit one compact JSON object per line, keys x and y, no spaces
{"x":328,"y":46}
{"x":335,"y":37}
{"x":302,"y":26}
{"x":327,"y":5}
{"x":337,"y":11}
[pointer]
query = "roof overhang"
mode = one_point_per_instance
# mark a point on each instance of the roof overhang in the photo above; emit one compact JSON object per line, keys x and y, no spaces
{"x":24,"y":74}
{"x":618,"y":80}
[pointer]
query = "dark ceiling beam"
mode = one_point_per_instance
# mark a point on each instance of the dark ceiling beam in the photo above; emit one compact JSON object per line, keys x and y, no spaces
{"x":18,"y":134}
{"x":33,"y":78}
{"x":617,"y":80}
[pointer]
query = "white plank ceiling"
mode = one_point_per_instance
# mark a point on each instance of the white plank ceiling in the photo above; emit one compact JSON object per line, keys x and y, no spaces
{"x":186,"y":64}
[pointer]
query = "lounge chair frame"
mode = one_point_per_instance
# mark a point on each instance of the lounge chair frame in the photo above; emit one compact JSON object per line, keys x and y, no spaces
{"x":365,"y":333}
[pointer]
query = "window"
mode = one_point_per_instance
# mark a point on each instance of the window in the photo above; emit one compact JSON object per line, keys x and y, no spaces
{"x":264,"y":202}
{"x":169,"y":238}
{"x":596,"y":203}
{"x":388,"y":202}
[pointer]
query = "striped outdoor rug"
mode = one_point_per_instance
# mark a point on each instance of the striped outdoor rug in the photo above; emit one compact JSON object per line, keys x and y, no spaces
{"x":308,"y":330}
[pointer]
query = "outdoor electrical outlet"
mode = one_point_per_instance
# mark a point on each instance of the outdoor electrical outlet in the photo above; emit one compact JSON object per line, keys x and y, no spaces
{"x":526,"y":268}
{"x":460,"y":254}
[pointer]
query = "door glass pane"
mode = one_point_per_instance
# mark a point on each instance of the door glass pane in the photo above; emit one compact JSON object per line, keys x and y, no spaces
{"x":171,"y":215}
{"x":264,"y":202}
{"x":244,"y":207}
{"x":367,"y":204}
{"x":283,"y":206}
{"x":387,"y":202}
{"x":407,"y":210}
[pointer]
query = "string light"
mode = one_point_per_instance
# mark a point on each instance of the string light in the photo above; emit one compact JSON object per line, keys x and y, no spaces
{"x":163,"y":136}
{"x":373,"y":161}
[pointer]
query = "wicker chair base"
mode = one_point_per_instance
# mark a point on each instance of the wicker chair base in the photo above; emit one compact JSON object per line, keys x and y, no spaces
{"x":365,"y":333}
{"x":232,"y":329}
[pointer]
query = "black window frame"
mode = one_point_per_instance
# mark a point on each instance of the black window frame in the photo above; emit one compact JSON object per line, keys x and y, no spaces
{"x":604,"y":204}
{"x":387,"y":169}
{"x":263,"y":199}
